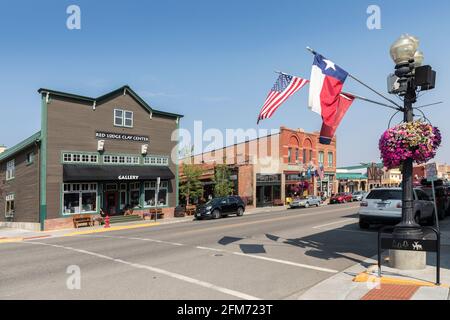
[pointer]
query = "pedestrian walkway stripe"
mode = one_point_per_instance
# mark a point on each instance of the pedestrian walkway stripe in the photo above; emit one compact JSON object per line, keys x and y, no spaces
{"x":178,"y":276}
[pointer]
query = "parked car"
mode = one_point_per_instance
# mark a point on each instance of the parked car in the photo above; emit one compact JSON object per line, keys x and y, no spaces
{"x":384,"y":206}
{"x":442,"y":193}
{"x":306,"y":202}
{"x":221,"y":207}
{"x":358,"y":195}
{"x":343,"y":197}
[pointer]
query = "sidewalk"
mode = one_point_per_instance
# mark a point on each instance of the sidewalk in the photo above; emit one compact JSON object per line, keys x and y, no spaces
{"x":360,"y":282}
{"x":16,"y":235}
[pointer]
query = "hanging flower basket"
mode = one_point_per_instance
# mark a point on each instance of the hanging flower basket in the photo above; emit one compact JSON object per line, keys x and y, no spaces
{"x":417,"y":140}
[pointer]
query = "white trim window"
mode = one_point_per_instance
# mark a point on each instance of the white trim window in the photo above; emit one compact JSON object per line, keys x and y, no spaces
{"x":79,"y":198}
{"x":9,"y":206}
{"x":10,"y":169}
{"x":79,"y":158}
{"x":123,"y":118}
{"x":121,"y":159}
{"x":330,"y":159}
{"x":156,"y":161}
{"x":321,"y":158}
{"x":150,"y":193}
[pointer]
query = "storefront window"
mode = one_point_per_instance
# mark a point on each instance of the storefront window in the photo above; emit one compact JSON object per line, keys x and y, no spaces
{"x":79,"y":198}
{"x":150,"y":192}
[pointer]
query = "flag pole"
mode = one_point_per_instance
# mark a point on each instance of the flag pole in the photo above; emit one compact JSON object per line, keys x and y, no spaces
{"x":369,"y":100}
{"x":365,"y":85}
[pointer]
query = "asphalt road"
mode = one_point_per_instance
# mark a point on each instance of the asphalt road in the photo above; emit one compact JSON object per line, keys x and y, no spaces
{"x":276,"y":255}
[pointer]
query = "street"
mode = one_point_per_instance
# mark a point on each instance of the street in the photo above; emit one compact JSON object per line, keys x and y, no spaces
{"x":274,"y":255}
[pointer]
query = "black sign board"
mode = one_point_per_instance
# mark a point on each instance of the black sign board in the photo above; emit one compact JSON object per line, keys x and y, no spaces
{"x":121,"y":136}
{"x":409,"y":245}
{"x":387,"y":240}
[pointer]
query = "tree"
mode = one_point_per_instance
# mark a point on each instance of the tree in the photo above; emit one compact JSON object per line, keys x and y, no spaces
{"x":191,"y":186}
{"x":223,"y":186}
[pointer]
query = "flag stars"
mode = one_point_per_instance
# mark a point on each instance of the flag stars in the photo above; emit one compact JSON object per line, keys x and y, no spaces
{"x":330,"y":64}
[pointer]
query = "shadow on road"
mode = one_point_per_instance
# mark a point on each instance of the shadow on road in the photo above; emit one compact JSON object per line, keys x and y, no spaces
{"x":348,"y":242}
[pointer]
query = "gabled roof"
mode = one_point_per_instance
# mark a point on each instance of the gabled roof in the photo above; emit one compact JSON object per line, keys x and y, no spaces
{"x":20,"y":146}
{"x":113,"y":93}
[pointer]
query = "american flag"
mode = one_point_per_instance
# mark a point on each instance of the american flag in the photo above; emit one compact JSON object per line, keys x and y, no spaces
{"x":285,"y":87}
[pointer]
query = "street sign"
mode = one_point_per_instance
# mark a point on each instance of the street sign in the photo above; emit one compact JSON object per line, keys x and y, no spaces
{"x":431,"y":172}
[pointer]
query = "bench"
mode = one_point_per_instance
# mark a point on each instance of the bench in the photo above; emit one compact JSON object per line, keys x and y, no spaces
{"x":190,"y":210}
{"x":152,"y":212}
{"x":83,"y":220}
{"x":278,"y":203}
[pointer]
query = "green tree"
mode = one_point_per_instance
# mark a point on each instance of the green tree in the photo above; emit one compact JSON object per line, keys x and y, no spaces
{"x":191,"y":186}
{"x":223,"y":186}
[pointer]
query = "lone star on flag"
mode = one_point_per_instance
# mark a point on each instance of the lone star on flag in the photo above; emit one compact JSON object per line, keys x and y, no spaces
{"x":330,"y":64}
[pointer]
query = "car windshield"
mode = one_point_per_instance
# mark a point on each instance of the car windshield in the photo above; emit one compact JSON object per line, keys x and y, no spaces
{"x":385,"y":195}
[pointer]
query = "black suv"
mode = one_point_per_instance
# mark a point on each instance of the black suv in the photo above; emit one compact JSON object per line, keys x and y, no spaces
{"x":221,"y":207}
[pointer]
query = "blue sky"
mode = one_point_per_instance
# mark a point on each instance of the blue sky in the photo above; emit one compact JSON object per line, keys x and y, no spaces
{"x":214,"y":60}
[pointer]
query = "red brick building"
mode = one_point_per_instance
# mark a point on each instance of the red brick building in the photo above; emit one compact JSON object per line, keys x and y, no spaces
{"x":269,"y":169}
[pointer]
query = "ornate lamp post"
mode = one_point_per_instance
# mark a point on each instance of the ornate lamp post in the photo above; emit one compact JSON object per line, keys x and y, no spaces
{"x":409,"y":76}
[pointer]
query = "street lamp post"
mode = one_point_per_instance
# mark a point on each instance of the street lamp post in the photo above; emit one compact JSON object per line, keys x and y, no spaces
{"x":409,"y":76}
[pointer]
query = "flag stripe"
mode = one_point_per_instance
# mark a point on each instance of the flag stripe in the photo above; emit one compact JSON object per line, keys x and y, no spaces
{"x":299,"y":83}
{"x":284,"y":87}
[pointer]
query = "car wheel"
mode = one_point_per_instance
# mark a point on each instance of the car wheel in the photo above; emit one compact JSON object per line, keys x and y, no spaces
{"x":240,"y":212}
{"x":307,"y":205}
{"x":430,"y":220}
{"x":216,"y":214}
{"x":441,"y":215}
{"x":364,"y":225}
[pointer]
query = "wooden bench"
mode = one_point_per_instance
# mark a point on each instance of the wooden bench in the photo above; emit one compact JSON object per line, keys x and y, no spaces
{"x":278,"y":203}
{"x":152,"y":212}
{"x":190,"y":210}
{"x":82,"y":219}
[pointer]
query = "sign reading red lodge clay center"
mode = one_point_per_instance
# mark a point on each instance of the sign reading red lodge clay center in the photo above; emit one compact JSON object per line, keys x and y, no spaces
{"x":121,"y":136}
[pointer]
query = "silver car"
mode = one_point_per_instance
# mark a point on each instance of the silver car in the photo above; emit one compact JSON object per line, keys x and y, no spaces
{"x":384,"y":205}
{"x":306,"y":203}
{"x":358,"y":195}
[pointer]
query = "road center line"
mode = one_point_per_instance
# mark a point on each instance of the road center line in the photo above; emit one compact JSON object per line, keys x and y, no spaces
{"x":181,"y":277}
{"x":333,"y":223}
{"x":305,"y":266}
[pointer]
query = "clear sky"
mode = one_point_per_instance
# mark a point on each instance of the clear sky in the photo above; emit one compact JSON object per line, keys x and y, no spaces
{"x":213,"y":60}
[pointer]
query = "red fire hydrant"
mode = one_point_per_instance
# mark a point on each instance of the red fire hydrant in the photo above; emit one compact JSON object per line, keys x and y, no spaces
{"x":107,"y":222}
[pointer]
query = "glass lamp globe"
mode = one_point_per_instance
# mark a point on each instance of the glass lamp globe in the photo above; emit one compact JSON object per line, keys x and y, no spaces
{"x":404,"y":49}
{"x":418,"y":59}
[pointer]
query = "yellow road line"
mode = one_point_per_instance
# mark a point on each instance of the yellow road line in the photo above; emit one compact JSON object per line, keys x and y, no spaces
{"x":365,"y":277}
{"x":10,"y":240}
{"x":136,"y":226}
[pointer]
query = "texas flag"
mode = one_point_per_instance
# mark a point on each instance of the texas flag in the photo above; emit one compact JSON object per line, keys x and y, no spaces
{"x":327,"y":80}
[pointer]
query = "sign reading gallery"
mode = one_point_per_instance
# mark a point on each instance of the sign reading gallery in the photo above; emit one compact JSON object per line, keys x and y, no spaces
{"x":121,"y":136}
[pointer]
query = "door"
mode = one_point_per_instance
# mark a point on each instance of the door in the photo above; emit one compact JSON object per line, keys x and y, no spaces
{"x":112,"y":203}
{"x":232,"y":205}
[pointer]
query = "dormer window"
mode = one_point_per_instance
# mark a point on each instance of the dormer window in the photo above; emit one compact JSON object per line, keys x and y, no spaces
{"x":123,"y":118}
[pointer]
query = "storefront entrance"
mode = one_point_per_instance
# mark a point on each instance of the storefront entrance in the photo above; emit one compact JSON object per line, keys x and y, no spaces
{"x":112,"y":202}
{"x":268,"y":190}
